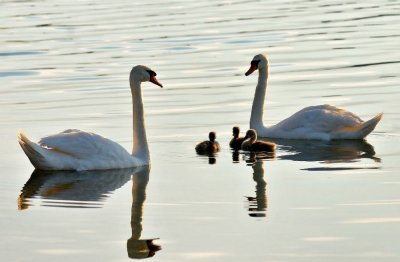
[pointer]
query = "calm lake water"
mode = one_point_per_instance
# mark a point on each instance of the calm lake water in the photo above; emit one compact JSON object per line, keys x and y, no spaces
{"x":65,"y":64}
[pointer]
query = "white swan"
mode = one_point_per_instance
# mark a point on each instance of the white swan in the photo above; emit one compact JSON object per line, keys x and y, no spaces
{"x":323,"y":122}
{"x":78,"y":150}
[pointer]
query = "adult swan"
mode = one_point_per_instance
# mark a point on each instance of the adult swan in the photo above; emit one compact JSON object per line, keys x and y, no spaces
{"x":323,"y":122}
{"x":78,"y":150}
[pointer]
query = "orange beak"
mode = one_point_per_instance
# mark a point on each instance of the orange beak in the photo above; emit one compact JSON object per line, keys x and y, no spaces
{"x":252,"y":68}
{"x":154,"y":80}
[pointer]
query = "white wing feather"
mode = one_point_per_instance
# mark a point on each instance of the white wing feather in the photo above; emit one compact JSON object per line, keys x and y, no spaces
{"x":82,"y":145}
{"x":323,"y":118}
{"x":321,"y":122}
{"x":77,"y":150}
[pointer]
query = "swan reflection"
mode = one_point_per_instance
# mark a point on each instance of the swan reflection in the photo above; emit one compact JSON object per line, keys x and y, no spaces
{"x":136,"y":247}
{"x":88,"y":189}
{"x":334,"y":151}
{"x":257,"y":206}
{"x":71,"y":188}
{"x":327,"y":152}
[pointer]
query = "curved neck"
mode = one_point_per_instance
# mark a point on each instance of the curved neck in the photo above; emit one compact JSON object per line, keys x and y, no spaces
{"x":140,"y":147}
{"x":256,"y":119}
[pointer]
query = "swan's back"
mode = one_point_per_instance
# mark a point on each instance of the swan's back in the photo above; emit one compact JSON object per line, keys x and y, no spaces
{"x":81,"y":144}
{"x":76,"y":150}
{"x":324,"y":122}
{"x":322,"y":118}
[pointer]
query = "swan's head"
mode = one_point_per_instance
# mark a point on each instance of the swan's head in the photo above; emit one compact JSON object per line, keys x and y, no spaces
{"x":251,"y":134}
{"x":260,"y":61}
{"x":235,"y":131}
{"x":143,"y":74}
{"x":212,"y":136}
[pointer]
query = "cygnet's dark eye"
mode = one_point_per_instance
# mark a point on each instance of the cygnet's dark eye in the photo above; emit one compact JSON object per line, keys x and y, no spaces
{"x":255,"y":63}
{"x":151,"y":73}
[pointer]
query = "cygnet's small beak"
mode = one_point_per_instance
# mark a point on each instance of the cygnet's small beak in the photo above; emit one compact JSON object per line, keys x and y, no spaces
{"x":154,"y":80}
{"x":252,"y":68}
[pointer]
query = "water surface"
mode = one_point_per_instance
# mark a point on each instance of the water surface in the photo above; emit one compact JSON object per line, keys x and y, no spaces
{"x":66,"y":65}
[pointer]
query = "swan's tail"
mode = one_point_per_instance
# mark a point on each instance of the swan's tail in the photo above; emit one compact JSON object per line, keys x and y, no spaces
{"x":357,"y":132}
{"x":368,"y":126}
{"x":32,"y":150}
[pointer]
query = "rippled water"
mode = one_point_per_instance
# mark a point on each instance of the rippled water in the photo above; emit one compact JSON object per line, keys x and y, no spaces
{"x":66,"y":64}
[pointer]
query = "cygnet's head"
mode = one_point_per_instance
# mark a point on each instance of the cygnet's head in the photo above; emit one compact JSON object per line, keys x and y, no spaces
{"x":260,"y":61}
{"x":212,"y":136}
{"x":235,"y":131}
{"x":143,"y":73}
{"x":252,"y":134}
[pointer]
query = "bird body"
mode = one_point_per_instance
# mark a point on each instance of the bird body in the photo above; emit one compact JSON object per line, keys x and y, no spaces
{"x":251,"y":144}
{"x":74,"y":149}
{"x":323,"y":122}
{"x":78,"y":150}
{"x":236,"y":141}
{"x":208,"y":146}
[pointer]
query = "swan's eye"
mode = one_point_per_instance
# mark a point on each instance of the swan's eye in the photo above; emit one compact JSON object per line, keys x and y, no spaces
{"x":255,"y":63}
{"x":151,"y":73}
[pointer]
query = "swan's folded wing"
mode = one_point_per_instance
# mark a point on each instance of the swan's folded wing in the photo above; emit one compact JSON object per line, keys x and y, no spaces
{"x":81,"y":144}
{"x":323,"y":118}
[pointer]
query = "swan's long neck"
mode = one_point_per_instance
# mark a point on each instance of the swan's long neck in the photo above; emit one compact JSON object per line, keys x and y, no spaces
{"x":256,"y":119}
{"x":140,"y":147}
